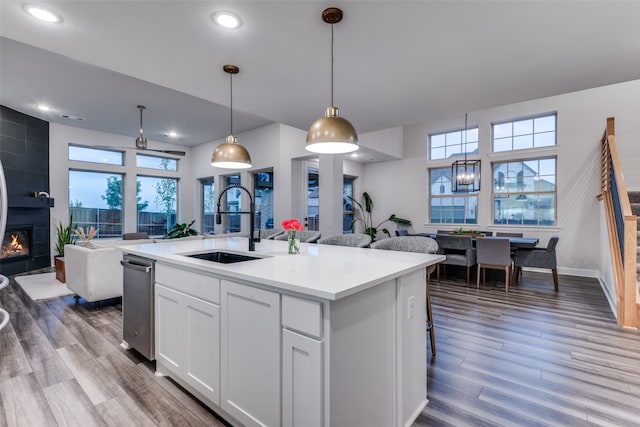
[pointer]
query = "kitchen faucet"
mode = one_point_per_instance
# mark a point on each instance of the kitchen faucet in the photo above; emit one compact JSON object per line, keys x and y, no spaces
{"x":251,"y":212}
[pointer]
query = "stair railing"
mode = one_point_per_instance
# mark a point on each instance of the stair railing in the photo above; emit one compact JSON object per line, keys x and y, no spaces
{"x":622,"y":228}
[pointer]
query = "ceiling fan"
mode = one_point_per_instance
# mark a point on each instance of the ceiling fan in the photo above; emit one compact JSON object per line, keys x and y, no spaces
{"x":141,"y":141}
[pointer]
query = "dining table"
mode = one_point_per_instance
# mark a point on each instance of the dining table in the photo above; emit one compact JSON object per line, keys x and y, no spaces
{"x":514,"y":242}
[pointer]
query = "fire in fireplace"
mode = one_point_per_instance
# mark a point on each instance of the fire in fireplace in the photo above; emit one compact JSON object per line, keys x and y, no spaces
{"x":16,"y":244}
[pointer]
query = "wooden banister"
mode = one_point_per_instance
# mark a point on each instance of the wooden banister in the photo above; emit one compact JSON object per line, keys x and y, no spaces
{"x":622,"y":229}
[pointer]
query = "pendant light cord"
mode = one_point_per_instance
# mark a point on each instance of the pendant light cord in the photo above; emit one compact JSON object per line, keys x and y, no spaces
{"x":465,"y":141}
{"x":141,"y":131}
{"x":231,"y":103}
{"x":332,"y":65}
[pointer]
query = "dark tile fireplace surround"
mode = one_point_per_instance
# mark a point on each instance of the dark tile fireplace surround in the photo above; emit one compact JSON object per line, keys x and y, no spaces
{"x":24,"y":150}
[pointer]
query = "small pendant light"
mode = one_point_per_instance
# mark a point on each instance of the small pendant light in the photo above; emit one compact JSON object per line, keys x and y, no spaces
{"x":230,"y":154}
{"x":332,"y":134}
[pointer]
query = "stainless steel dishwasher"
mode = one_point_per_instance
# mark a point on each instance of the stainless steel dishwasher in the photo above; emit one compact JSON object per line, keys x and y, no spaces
{"x":137,"y":304}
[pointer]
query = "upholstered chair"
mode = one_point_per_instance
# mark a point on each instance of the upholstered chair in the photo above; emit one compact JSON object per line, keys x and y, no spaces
{"x":508,"y":234}
{"x":494,"y":253}
{"x":355,"y":240}
{"x":415,"y":244}
{"x":304,"y":236}
{"x":459,"y":250}
{"x":538,"y":258}
{"x":135,"y":236}
{"x":269,"y":233}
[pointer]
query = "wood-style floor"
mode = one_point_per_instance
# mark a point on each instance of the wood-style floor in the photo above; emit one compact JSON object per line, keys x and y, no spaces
{"x":532,"y":357}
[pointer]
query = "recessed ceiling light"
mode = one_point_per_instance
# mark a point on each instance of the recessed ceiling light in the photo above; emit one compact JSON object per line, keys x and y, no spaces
{"x":43,"y":14}
{"x":226,"y":19}
{"x":171,"y":134}
{"x":354,"y":154}
{"x":44,"y":107}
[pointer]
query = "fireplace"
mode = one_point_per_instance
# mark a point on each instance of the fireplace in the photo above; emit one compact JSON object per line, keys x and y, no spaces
{"x":17,"y":243}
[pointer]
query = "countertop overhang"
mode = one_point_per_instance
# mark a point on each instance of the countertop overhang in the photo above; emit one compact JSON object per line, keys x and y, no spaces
{"x":322,"y":271}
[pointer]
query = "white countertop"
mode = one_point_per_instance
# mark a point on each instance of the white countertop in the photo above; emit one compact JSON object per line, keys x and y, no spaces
{"x":323,"y":271}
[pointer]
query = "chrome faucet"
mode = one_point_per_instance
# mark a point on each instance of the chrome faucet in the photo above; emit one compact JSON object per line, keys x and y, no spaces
{"x":251,"y":213}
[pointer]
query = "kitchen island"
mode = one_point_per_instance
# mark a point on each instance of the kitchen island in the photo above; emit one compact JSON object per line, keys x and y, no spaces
{"x":334,"y":336}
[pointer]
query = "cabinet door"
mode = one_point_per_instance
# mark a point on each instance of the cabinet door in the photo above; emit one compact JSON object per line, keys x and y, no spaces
{"x":250,"y":354}
{"x":202,"y":330}
{"x":301,"y":381}
{"x":170,"y":337}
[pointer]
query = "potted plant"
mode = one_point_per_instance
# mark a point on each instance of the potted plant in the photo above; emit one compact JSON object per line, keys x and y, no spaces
{"x":365,"y":213}
{"x":182,"y":230}
{"x":468,"y":232}
{"x":64,"y":236}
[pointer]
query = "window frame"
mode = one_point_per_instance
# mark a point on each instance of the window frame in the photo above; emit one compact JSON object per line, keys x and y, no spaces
{"x":86,"y":224}
{"x":95,"y":149}
{"x":177,"y":200}
{"x":462,"y":142}
{"x":521,"y":193}
{"x":450,"y":195}
{"x":533,"y":117}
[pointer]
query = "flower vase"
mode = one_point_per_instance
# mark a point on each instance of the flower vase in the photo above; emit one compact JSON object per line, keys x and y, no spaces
{"x":294,"y":244}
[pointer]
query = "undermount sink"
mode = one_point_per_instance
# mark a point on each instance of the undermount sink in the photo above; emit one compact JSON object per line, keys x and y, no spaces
{"x":223,"y":257}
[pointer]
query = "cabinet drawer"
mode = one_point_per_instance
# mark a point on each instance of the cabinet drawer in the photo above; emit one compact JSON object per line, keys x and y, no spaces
{"x":191,"y":283}
{"x":302,"y":315}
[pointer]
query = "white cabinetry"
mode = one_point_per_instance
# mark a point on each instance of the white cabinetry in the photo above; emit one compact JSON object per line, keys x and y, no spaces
{"x":188,"y":339}
{"x":301,"y":380}
{"x":250,"y":359}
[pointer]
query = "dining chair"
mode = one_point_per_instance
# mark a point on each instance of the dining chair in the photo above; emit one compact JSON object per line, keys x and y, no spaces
{"x":355,"y":240}
{"x":459,"y":250}
{"x":494,"y":253}
{"x":304,"y":236}
{"x":538,"y":258}
{"x":508,"y":234}
{"x":415,"y":244}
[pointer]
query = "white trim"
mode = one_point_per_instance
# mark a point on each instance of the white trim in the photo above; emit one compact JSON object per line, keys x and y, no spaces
{"x":610,"y":298}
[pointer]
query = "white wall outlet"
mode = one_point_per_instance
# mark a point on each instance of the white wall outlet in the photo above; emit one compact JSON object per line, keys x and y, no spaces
{"x":411,"y":306}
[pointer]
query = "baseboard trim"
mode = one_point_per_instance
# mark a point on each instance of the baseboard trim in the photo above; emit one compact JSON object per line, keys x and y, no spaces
{"x":610,"y":298}
{"x":580,"y":272}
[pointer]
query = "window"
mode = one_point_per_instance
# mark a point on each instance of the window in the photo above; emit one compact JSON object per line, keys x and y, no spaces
{"x":347,"y":204}
{"x":524,"y":192}
{"x":156,"y":200}
{"x":155,"y":162}
{"x":208,"y":205}
{"x":534,"y":132}
{"x":233,"y":203}
{"x":95,"y":199}
{"x":313,"y":199}
{"x":448,"y":207}
{"x":263,"y":198}
{"x":452,"y":144}
{"x":94,"y":155}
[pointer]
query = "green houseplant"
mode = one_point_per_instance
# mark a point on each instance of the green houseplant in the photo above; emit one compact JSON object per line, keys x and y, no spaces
{"x":182,"y":230}
{"x":365,"y":217}
{"x":64,"y":236}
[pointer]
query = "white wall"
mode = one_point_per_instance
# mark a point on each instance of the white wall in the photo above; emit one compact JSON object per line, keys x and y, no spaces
{"x":60,"y":136}
{"x":401,"y":186}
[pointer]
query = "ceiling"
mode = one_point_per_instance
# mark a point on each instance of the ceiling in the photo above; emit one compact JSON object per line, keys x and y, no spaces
{"x":396,"y":62}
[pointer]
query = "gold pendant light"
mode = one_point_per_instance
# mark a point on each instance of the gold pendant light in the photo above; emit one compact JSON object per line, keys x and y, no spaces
{"x":230,"y":154}
{"x":332,"y":134}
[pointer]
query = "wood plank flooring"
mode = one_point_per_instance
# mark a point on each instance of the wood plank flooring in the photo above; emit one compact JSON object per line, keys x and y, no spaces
{"x":533,"y":357}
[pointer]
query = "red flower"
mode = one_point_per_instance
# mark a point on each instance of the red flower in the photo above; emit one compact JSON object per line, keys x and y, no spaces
{"x":292,"y":224}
